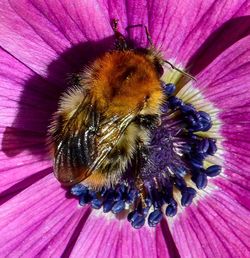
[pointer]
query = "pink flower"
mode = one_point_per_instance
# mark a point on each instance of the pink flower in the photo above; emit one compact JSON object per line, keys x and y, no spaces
{"x":41,"y":42}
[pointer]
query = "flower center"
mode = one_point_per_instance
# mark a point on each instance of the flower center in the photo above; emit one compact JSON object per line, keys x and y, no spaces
{"x":175,"y":155}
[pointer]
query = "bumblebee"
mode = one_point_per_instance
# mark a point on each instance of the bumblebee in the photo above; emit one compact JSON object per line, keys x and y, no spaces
{"x":103,"y":122}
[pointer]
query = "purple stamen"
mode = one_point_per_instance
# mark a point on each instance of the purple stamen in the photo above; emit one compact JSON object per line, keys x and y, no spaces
{"x":174,"y":152}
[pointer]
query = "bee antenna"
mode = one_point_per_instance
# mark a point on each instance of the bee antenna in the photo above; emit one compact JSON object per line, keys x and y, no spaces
{"x":120,"y":41}
{"x":146,"y":31}
{"x":181,"y":71}
{"x":115,"y":25}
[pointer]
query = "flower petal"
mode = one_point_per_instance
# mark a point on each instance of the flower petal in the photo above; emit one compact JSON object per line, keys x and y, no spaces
{"x":48,"y":28}
{"x":26,"y":107}
{"x":106,"y":236}
{"x":185,"y":29}
{"x":40,"y":210}
{"x":227,"y":77}
{"x":178,"y":28}
{"x":225,"y":83}
{"x":218,"y":225}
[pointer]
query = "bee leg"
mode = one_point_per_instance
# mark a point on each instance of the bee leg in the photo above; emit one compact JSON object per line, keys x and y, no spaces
{"x":141,"y":158}
{"x":120,"y":42}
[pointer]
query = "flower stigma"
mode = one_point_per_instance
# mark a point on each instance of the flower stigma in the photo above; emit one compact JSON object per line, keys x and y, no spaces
{"x":173,"y":166}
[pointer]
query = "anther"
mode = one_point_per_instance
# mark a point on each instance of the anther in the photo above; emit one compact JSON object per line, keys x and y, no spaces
{"x":175,"y":151}
{"x":213,"y":171}
{"x":168,"y":88}
{"x":137,"y":220}
{"x":187,"y":196}
{"x":78,"y":189}
{"x":155,"y":217}
{"x":118,"y":207}
{"x":171,"y":209}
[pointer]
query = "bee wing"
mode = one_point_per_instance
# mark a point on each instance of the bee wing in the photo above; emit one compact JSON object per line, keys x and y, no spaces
{"x":111,"y":131}
{"x":72,"y":140}
{"x":82,"y":142}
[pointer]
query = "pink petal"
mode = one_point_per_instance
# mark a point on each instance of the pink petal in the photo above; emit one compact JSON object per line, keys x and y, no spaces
{"x":39,"y":220}
{"x":227,"y":78}
{"x":109,"y":237}
{"x":217,"y":227}
{"x":26,"y":106}
{"x":185,"y":29}
{"x":219,"y":223}
{"x":178,"y":28}
{"x":37,"y":32}
{"x":226,"y":83}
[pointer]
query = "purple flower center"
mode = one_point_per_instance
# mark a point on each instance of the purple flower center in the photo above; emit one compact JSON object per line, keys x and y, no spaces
{"x":176,"y":153}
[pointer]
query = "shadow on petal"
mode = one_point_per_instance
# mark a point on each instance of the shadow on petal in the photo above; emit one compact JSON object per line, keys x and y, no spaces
{"x":25,"y":183}
{"x":224,"y":37}
{"x":221,"y":39}
{"x":40,"y":97}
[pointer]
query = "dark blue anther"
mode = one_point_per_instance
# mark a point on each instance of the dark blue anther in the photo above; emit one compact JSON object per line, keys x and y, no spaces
{"x":188,"y":109}
{"x":205,"y":116}
{"x":198,"y":127}
{"x":197,"y":163}
{"x":212,"y":147}
{"x":119,"y":195}
{"x":131,"y":196}
{"x":131,"y":215}
{"x":138,"y":220}
{"x":171,"y":209}
{"x":180,"y":183}
{"x":203,"y":145}
{"x":118,"y":207}
{"x":84,"y":199}
{"x":191,"y":191}
{"x":174,"y":102}
{"x":107,"y":205}
{"x":200,"y":180}
{"x":205,"y":122}
{"x":154,"y":218}
{"x":96,"y":203}
{"x":168,"y":88}
{"x":187,"y":196}
{"x":78,"y":189}
{"x":213,"y":170}
{"x":199,"y":156}
{"x":192,"y":120}
{"x":205,"y":126}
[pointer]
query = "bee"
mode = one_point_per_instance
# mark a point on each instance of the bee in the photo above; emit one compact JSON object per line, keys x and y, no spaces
{"x":104,"y":121}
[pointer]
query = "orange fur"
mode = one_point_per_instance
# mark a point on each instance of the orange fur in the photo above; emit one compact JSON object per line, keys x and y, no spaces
{"x":121,"y":80}
{"x":97,"y":180}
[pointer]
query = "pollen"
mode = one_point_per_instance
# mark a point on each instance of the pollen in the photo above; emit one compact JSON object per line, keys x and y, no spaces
{"x":176,"y":156}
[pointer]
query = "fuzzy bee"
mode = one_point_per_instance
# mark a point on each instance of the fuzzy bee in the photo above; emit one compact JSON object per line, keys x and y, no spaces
{"x":104,"y":122}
